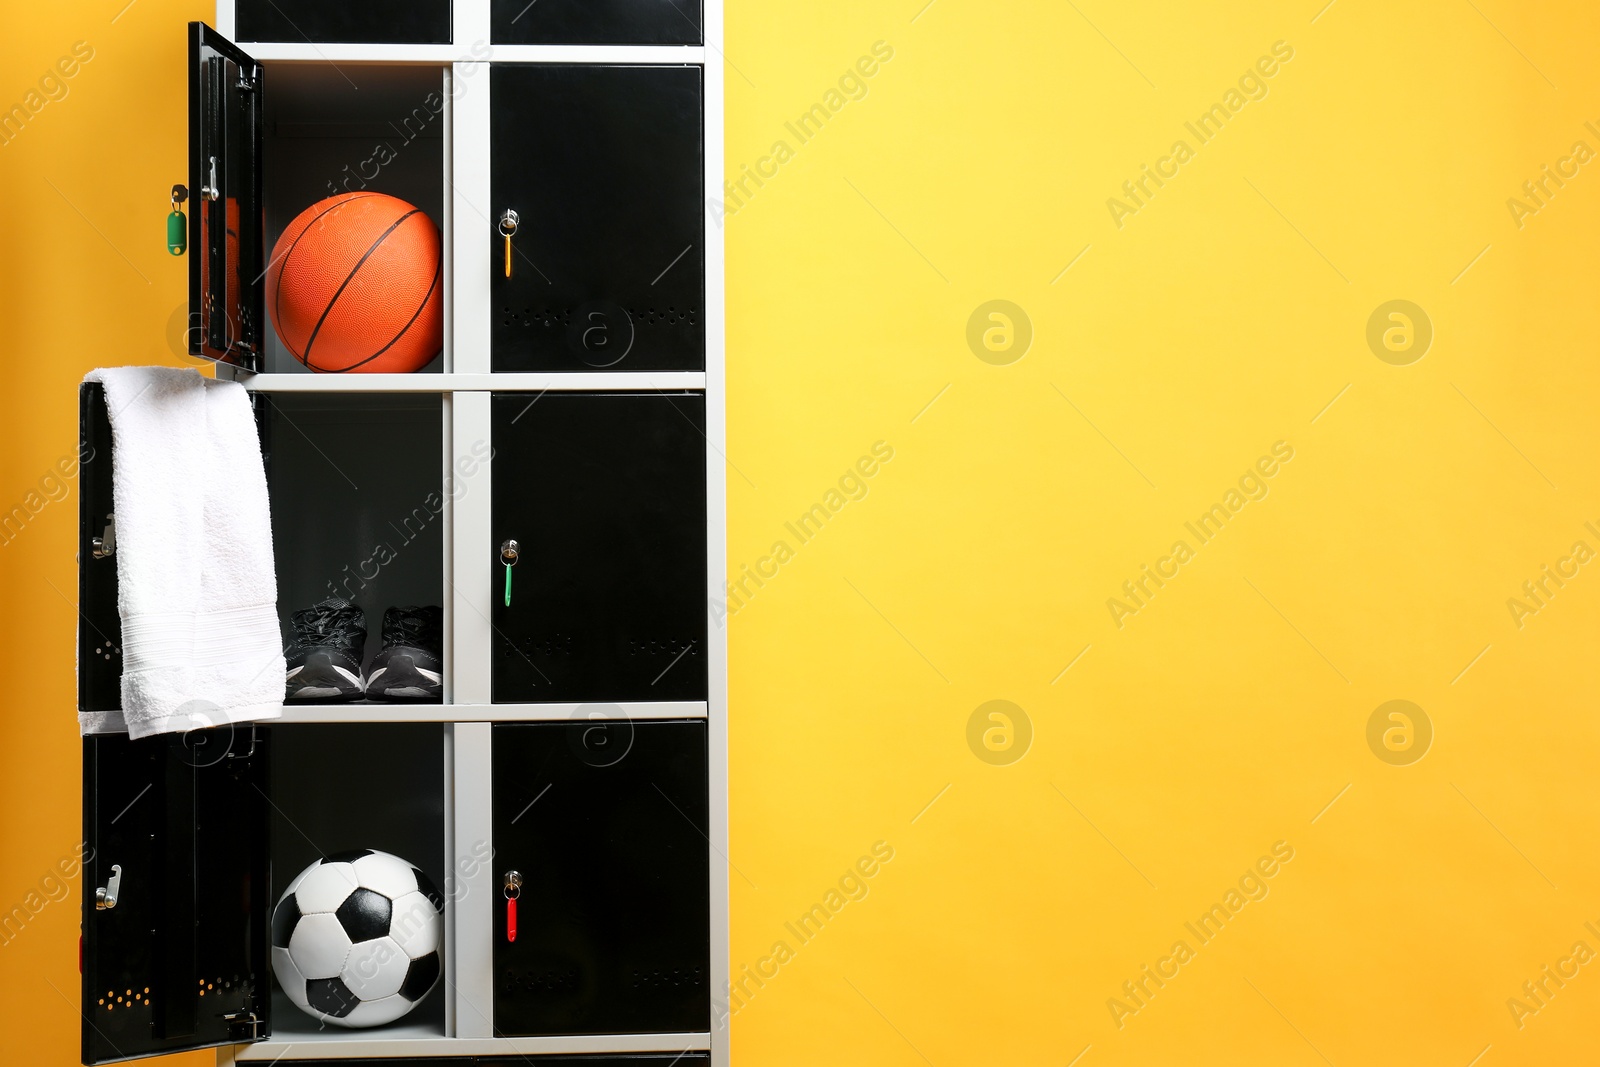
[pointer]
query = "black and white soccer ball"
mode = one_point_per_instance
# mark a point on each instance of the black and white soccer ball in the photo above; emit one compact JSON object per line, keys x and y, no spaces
{"x":356,"y":938}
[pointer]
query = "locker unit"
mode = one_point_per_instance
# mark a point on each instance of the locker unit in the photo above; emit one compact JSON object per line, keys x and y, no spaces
{"x":553,"y":480}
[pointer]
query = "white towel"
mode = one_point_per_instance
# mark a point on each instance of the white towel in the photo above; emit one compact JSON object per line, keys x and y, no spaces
{"x":197,"y":587}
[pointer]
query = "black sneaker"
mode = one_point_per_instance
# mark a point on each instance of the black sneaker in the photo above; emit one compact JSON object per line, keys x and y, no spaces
{"x":325,"y":659}
{"x":409,"y":667}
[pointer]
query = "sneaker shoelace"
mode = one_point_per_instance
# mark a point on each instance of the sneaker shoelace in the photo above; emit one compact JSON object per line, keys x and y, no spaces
{"x":329,"y":624}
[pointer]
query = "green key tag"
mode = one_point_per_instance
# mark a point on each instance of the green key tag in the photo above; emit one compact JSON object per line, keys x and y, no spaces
{"x":510,"y":551}
{"x":178,"y":223}
{"x":177,"y":233}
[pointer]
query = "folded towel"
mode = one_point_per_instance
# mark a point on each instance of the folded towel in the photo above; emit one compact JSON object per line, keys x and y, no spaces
{"x":197,"y":588}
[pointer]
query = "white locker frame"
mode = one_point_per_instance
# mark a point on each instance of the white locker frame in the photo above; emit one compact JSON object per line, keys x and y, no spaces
{"x":465,"y":384}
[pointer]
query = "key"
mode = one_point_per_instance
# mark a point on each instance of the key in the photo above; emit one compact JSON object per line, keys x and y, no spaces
{"x":512,"y":890}
{"x":508,"y":555}
{"x":508,"y":226}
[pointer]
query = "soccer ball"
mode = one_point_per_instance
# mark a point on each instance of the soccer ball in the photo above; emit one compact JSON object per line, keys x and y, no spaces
{"x":356,"y":938}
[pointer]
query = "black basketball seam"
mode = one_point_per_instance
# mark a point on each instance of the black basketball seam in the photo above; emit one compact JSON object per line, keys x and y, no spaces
{"x":437,"y":267}
{"x":277,"y":289}
{"x":384,"y":236}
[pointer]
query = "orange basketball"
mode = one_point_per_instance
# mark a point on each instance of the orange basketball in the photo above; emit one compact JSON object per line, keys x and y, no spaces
{"x":355,"y":284}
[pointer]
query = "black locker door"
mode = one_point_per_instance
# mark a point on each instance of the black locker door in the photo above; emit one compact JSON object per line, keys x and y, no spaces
{"x":99,"y":624}
{"x":605,"y":495}
{"x":226,"y":86}
{"x":354,"y":21}
{"x":606,"y":824}
{"x":595,"y":22}
{"x":174,"y":952}
{"x":603,"y":167}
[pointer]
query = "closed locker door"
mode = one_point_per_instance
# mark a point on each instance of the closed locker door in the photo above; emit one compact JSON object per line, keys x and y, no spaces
{"x":597,"y":173}
{"x":596,"y":22}
{"x":346,"y":21}
{"x":604,"y":823}
{"x":605,"y":497}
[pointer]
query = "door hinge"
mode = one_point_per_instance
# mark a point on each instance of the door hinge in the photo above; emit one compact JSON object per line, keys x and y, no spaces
{"x":244,"y":1026}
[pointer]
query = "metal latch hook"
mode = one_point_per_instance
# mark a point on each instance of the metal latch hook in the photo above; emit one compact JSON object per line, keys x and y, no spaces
{"x":105,"y":898}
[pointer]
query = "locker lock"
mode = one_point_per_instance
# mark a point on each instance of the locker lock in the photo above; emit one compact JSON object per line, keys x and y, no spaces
{"x":105,"y":898}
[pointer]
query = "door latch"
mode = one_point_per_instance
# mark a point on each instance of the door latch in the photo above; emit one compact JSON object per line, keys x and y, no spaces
{"x":243,"y":1026}
{"x":210,"y":190}
{"x":105,"y":898}
{"x":105,"y":545}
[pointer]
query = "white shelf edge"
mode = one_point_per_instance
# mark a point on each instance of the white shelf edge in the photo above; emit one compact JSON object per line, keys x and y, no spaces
{"x":471,"y":946}
{"x":578,"y":381}
{"x":479,"y":52}
{"x":442,"y":713}
{"x":322,"y":1047}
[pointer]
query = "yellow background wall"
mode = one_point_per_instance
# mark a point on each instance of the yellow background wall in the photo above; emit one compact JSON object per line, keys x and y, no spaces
{"x":1231,"y":712}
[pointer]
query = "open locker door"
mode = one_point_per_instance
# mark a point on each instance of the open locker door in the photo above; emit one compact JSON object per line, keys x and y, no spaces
{"x":174,"y":951}
{"x":225,"y":222}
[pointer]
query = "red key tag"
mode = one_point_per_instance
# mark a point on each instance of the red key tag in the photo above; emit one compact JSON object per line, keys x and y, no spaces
{"x":512,"y":890}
